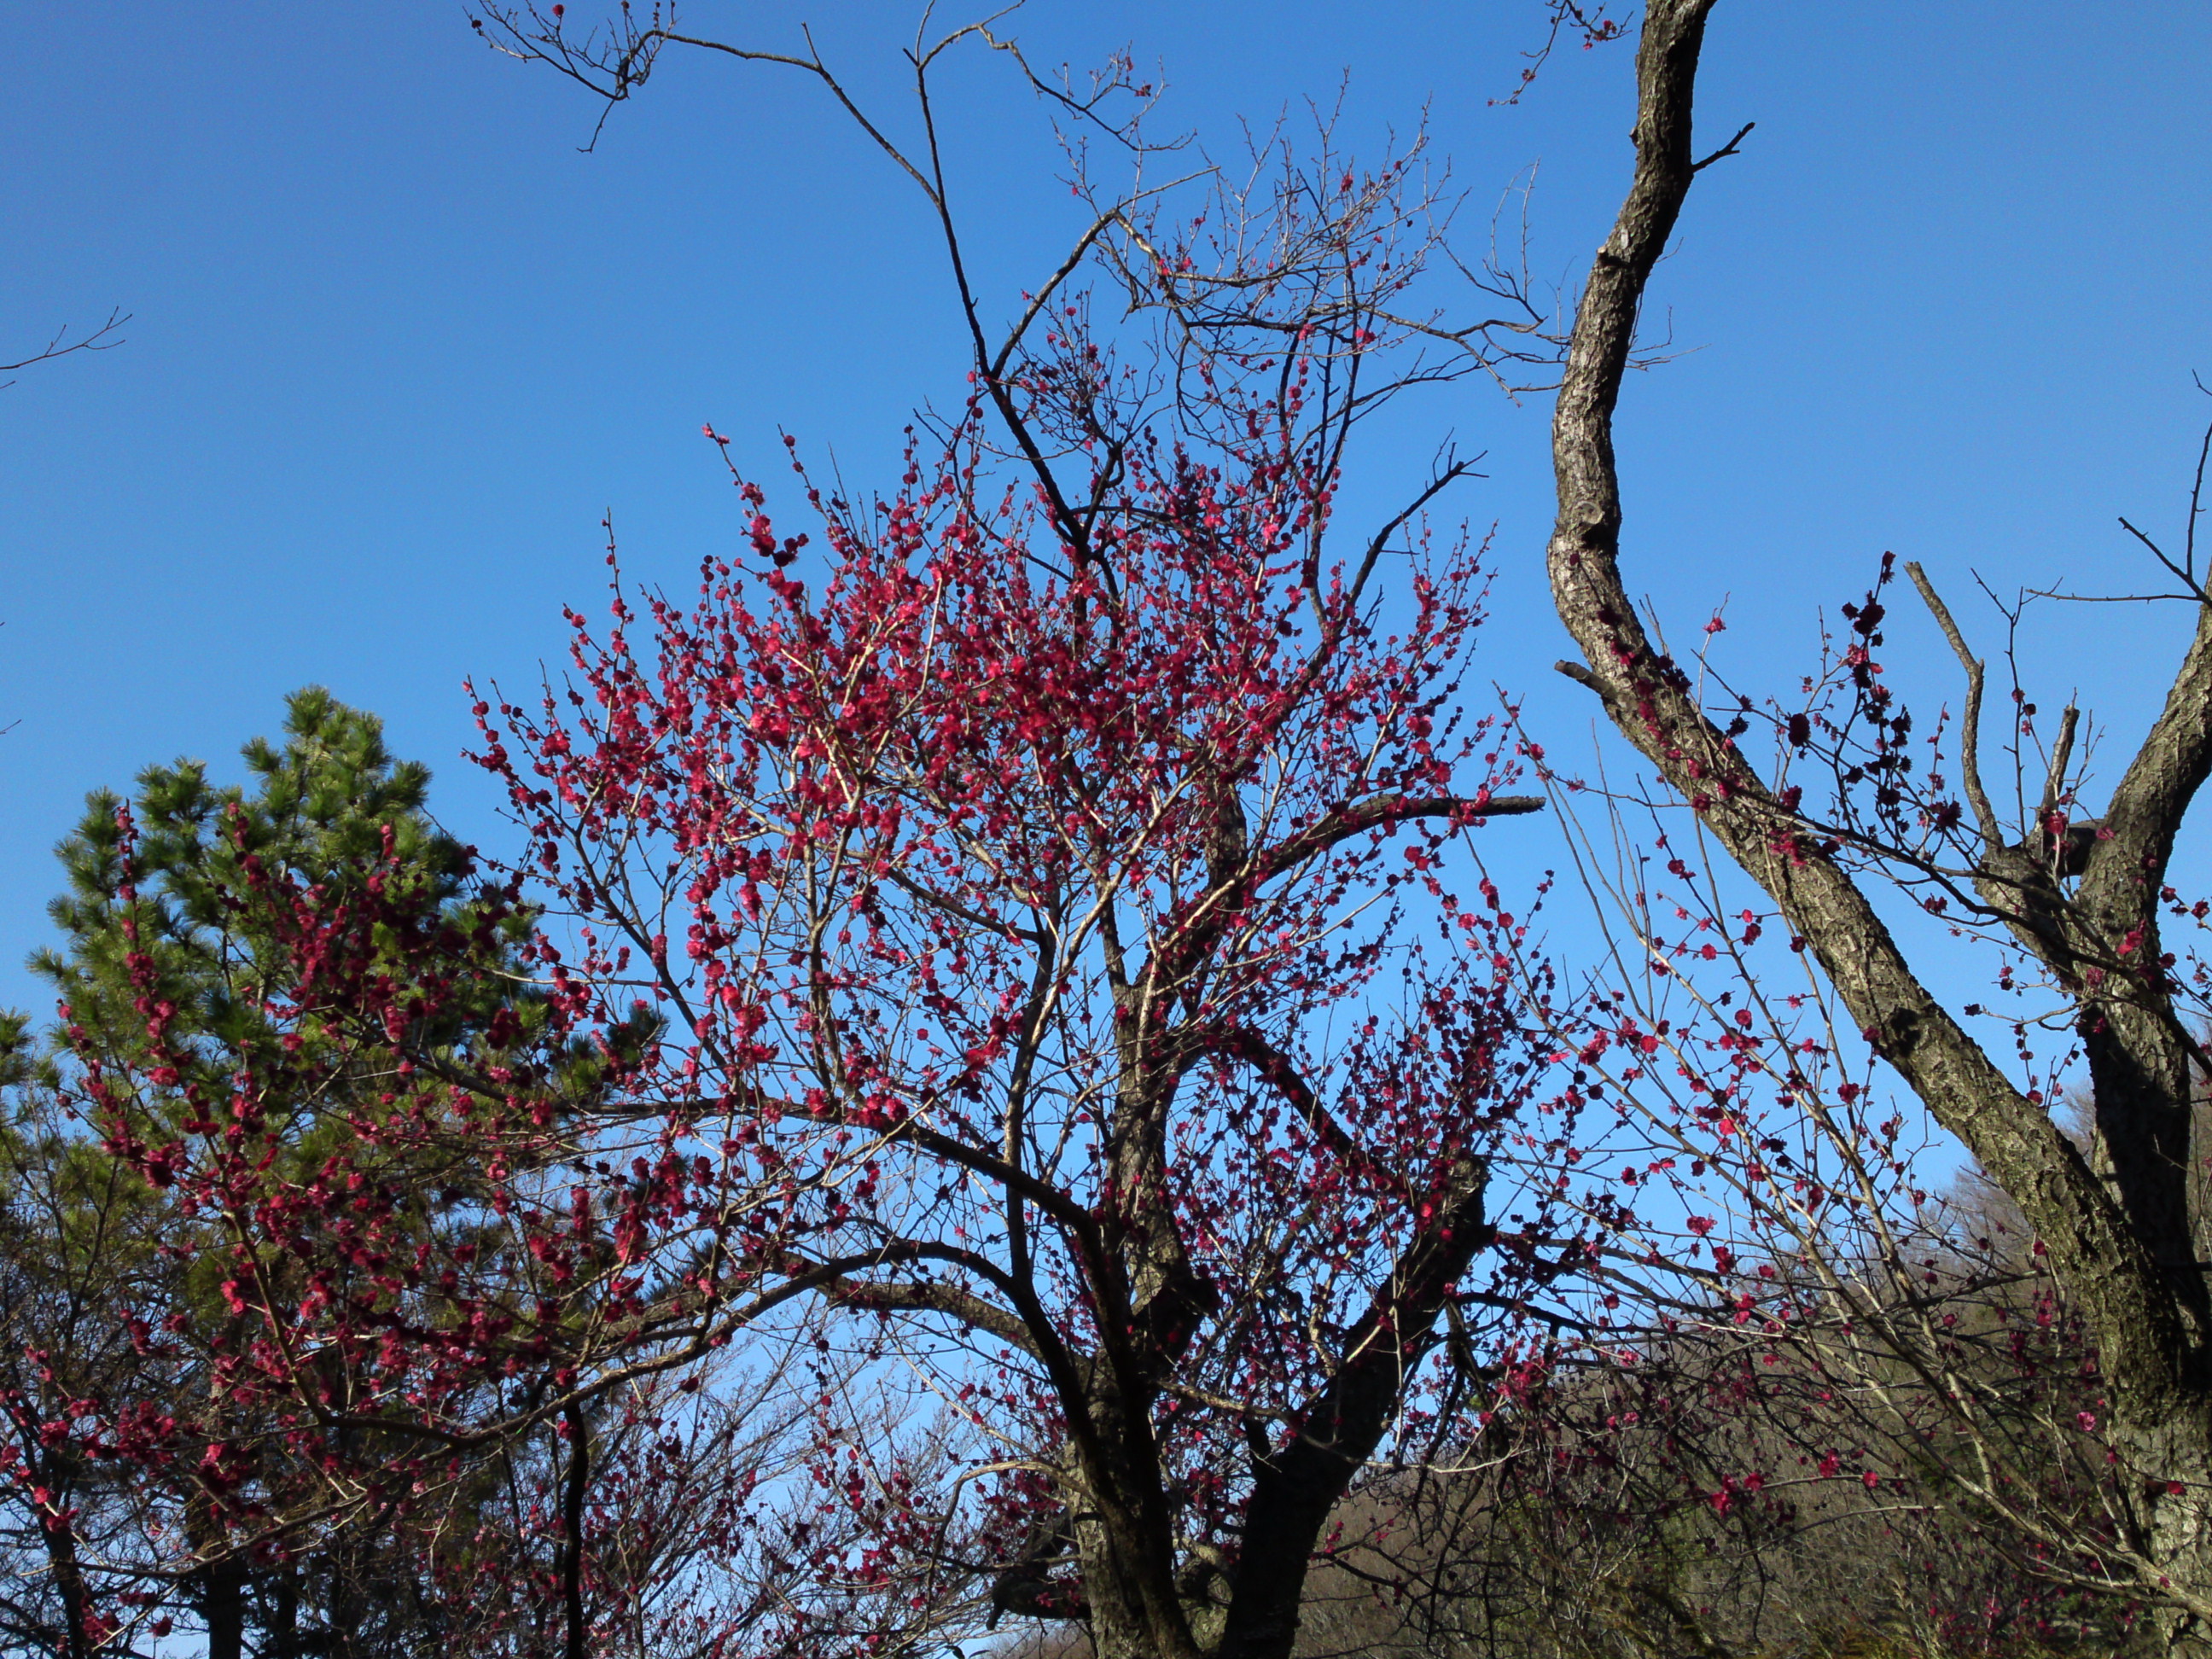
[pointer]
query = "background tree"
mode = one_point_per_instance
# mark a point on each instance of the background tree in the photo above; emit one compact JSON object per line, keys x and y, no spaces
{"x":363,"y":1368}
{"x":698,"y":1525}
{"x":213,"y":1159}
{"x":79,"y":1237}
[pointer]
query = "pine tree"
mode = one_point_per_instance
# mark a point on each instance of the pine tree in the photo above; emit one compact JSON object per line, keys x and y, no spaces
{"x":196,"y":920}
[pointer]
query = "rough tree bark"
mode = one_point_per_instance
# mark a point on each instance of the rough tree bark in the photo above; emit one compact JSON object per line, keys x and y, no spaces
{"x":2118,"y":1223}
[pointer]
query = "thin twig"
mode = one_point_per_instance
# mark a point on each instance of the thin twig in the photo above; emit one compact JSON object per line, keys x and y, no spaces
{"x":1727,"y":149}
{"x":2187,"y":577}
{"x":96,"y":341}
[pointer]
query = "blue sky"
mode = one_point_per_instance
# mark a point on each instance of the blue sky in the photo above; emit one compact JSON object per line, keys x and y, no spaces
{"x":398,"y":345}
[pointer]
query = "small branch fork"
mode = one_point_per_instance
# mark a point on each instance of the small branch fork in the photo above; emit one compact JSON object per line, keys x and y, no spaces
{"x":2183,"y":570}
{"x":61,"y":345}
{"x":2186,"y":570}
{"x":1727,"y":149}
{"x":1567,"y":17}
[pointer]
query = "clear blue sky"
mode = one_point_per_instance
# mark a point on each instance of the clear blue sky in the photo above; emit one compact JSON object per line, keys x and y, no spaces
{"x":397,"y":344}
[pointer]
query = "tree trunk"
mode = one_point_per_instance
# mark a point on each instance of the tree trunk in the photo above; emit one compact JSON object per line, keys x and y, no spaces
{"x":68,"y":1584}
{"x":218,"y":1584}
{"x":576,"y":1636}
{"x":222,"y":1607}
{"x":1123,"y":1537}
{"x":283,"y":1631}
{"x":2179,"y":1540}
{"x":1116,"y":1617}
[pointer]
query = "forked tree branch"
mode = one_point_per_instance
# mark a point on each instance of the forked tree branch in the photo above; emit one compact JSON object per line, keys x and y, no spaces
{"x":61,"y":345}
{"x":1651,"y":701}
{"x":1970,"y":725}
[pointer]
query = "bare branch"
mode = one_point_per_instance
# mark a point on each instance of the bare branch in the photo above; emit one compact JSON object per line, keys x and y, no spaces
{"x":1970,"y":725}
{"x":1727,"y":149}
{"x":61,"y":345}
